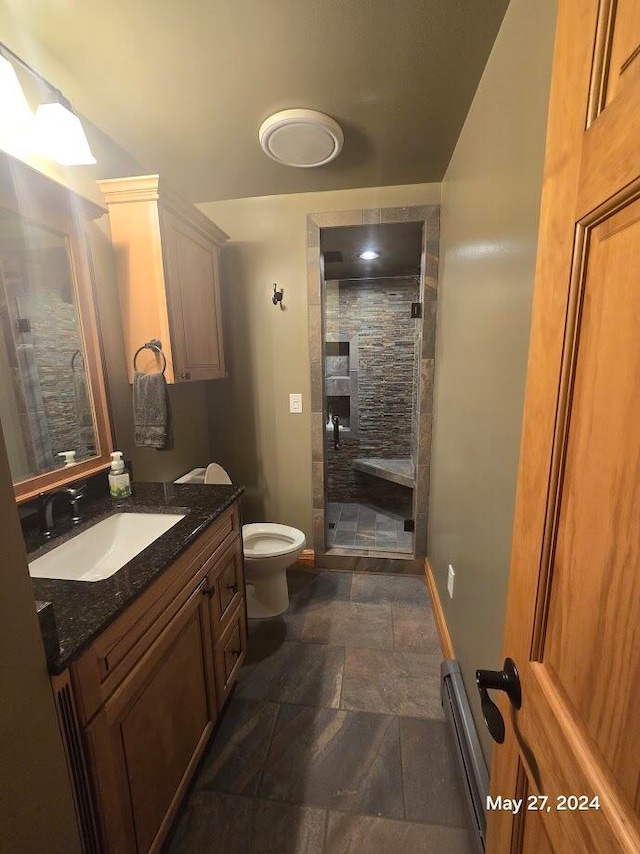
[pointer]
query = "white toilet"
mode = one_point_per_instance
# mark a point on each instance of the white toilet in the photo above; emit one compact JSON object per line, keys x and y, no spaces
{"x":269,"y":550}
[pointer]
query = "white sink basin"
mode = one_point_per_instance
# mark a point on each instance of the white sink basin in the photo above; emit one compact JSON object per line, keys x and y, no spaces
{"x":103,"y":549}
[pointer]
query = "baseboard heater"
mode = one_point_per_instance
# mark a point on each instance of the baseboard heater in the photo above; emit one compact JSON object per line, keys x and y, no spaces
{"x":467,"y":747}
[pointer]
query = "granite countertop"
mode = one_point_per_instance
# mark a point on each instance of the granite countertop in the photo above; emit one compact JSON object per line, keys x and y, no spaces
{"x":83,"y":609}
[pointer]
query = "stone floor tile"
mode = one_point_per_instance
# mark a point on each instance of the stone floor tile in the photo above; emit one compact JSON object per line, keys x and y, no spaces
{"x":349,"y":513}
{"x":307,"y":587}
{"x":346,"y":527}
{"x":235,"y":757}
{"x":366,"y":528}
{"x":335,"y":759}
{"x":286,"y":626}
{"x":386,"y":541}
{"x":432,"y":786}
{"x":388,"y":588}
{"x":287,"y":829}
{"x":292,"y":673}
{"x":414,"y":628}
{"x":390,"y":682}
{"x":363,"y":834}
{"x":333,"y":511}
{"x":343,"y":538}
{"x":349,"y":624}
{"x":388,"y":526}
{"x":213,"y":818}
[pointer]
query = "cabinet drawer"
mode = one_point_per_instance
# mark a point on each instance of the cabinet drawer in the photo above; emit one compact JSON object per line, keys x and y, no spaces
{"x":111,"y":656}
{"x":226,"y":587}
{"x":230,"y":652}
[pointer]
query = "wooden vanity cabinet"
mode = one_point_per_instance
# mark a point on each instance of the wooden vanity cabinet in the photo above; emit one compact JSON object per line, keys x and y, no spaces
{"x":147,"y":738}
{"x":168,"y":268}
{"x":147,"y":693}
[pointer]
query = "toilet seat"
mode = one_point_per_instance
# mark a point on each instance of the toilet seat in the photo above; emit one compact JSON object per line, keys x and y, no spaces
{"x":269,"y":550}
{"x":264,"y":539}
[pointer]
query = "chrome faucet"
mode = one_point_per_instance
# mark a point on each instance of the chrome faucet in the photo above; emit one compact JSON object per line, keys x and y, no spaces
{"x":73,"y":496}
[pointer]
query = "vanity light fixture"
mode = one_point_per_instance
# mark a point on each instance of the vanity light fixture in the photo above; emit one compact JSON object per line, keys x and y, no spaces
{"x":17,"y":126}
{"x":66,"y":141}
{"x":301,"y":138}
{"x":369,"y":255}
{"x":54,"y":132}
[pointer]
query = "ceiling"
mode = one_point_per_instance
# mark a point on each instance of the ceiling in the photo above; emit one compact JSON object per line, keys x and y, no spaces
{"x":184,"y":86}
{"x":399,"y":246}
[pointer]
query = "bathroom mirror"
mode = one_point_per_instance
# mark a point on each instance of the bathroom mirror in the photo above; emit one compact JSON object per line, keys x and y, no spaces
{"x":52,"y":397}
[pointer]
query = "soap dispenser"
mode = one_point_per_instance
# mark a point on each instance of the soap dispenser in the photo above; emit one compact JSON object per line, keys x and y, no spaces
{"x":119,"y":480}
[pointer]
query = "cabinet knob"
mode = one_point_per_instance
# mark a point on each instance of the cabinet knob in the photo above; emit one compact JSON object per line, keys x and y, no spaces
{"x":185,"y":375}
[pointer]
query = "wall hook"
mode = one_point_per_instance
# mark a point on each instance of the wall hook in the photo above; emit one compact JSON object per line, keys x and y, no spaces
{"x":277,"y":296}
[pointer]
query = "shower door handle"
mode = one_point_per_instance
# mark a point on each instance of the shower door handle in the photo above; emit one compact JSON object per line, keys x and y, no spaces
{"x":336,"y":432}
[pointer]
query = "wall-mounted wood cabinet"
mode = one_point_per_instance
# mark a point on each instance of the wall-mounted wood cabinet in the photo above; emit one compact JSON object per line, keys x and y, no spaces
{"x":168,"y":268}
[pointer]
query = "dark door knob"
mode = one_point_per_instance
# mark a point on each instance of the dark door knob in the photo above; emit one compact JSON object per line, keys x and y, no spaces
{"x":506,"y":680}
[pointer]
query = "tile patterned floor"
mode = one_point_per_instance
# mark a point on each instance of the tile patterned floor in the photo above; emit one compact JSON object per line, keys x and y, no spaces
{"x":359,"y":527}
{"x":334,"y":741}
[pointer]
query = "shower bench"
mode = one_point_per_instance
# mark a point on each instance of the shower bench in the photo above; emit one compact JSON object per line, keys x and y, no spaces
{"x":401,"y":470}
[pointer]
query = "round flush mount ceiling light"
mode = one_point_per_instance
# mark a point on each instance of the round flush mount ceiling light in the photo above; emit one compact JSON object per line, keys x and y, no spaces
{"x":369,"y":255}
{"x":301,"y":138}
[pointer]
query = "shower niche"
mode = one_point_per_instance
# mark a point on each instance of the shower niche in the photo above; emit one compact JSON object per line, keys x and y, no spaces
{"x":341,"y":381}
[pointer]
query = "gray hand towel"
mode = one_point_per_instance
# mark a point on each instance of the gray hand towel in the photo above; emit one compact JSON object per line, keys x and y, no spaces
{"x":151,"y":411}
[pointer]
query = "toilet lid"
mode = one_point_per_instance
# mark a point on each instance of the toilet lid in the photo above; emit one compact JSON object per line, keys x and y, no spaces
{"x":216,"y":474}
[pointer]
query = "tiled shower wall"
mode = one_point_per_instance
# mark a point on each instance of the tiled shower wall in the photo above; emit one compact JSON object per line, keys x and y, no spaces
{"x":378,"y":312}
{"x":43,"y":289}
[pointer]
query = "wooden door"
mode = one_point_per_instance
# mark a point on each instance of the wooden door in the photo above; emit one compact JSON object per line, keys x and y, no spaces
{"x":573,"y":614}
{"x":147,"y":739}
{"x":193,"y":291}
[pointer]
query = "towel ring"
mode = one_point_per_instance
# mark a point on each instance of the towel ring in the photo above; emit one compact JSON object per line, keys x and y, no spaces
{"x":73,"y":360}
{"x":154,"y":345}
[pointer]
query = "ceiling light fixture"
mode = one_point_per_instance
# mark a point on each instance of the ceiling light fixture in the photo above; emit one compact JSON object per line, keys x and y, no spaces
{"x":55,"y":131}
{"x":301,"y":138}
{"x":369,"y":255}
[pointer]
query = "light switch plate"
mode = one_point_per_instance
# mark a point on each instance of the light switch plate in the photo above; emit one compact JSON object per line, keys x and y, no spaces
{"x":295,"y":403}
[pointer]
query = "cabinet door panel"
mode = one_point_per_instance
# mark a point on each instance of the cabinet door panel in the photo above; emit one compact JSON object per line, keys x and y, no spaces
{"x":150,"y":734}
{"x":162,"y":730}
{"x":192,"y":282}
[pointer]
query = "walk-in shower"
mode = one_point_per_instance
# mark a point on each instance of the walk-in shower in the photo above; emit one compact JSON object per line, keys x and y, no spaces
{"x":372,"y":340}
{"x":372,"y":287}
